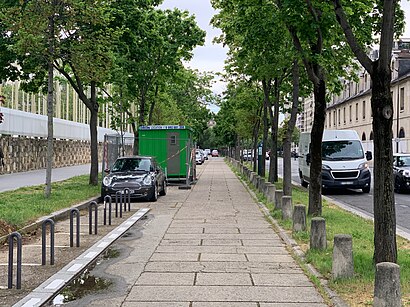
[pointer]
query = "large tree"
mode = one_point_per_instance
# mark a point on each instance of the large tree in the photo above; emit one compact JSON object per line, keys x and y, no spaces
{"x":361,"y":21}
{"x":149,"y":51}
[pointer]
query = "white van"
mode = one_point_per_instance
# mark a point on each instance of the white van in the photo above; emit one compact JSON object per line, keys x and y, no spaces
{"x":344,"y":163}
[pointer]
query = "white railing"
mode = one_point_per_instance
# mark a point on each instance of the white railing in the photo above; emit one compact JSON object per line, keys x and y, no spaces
{"x":34,"y":125}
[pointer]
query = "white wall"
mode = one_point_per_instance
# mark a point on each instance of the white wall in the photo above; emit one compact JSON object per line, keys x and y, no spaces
{"x":17,"y":122}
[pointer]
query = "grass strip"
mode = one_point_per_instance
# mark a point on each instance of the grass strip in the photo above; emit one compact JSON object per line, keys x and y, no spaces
{"x":357,"y":291}
{"x":20,"y":207}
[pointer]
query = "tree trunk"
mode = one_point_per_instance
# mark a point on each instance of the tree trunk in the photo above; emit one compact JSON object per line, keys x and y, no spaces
{"x":274,"y":115}
{"x":315,"y":184}
{"x":152,"y":106}
{"x":93,"y":135}
{"x":287,"y":163}
{"x":255,"y":140}
{"x":50,"y":111}
{"x":266,"y":92}
{"x":383,"y":198}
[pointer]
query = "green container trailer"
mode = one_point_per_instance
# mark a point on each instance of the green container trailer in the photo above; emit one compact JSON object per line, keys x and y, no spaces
{"x":171,"y":146}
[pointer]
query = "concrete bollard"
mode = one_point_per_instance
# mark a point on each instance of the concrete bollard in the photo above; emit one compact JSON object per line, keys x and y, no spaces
{"x":255,"y":181}
{"x":261,"y":185}
{"x":270,"y":192}
{"x":318,"y":233}
{"x":387,"y":285}
{"x":342,"y":265}
{"x":251,"y":176}
{"x":278,"y":199}
{"x":287,"y":207}
{"x":299,"y":218}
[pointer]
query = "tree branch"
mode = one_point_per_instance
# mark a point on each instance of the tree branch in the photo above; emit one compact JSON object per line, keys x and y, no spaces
{"x":351,"y":39}
{"x":319,"y":43}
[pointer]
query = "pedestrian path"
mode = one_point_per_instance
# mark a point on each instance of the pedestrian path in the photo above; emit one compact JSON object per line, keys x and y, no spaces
{"x":209,"y":246}
{"x":24,"y":179}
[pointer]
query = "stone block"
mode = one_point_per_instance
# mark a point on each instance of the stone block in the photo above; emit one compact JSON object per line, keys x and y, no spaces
{"x":318,"y":233}
{"x":287,"y":208}
{"x":270,"y":192}
{"x":299,"y":218}
{"x":278,"y":199}
{"x":342,"y":265}
{"x":387,"y":285}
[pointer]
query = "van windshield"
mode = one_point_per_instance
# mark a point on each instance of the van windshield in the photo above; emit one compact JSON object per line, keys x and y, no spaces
{"x":342,"y":150}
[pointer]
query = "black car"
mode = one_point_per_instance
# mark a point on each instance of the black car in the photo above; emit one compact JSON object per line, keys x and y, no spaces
{"x":140,"y":174}
{"x":401,"y":172}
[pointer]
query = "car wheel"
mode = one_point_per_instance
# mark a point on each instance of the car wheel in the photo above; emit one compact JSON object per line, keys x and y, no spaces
{"x":303,"y":183}
{"x":366,"y":190}
{"x":397,"y":186}
{"x":164,"y":189}
{"x":154,"y":195}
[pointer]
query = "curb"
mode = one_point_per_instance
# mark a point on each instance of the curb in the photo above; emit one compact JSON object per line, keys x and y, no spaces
{"x":55,"y":216}
{"x":291,"y":243}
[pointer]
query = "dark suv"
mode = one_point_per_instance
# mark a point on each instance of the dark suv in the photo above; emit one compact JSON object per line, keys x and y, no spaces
{"x":401,"y":172}
{"x":140,"y":174}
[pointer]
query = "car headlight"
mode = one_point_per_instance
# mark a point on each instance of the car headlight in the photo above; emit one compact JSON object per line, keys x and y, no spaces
{"x":326,"y":167}
{"x":406,"y":173}
{"x":107,"y":181}
{"x":363,"y":165}
{"x":147,"y":180}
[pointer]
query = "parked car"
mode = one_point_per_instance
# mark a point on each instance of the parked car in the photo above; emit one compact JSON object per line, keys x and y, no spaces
{"x":401,"y":172}
{"x":140,"y":174}
{"x":215,"y":153}
{"x":207,"y":152}
{"x":199,"y":157}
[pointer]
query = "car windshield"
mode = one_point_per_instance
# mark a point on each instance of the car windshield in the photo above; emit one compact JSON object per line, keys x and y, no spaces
{"x":342,"y":150}
{"x":132,"y":165}
{"x":403,"y":161}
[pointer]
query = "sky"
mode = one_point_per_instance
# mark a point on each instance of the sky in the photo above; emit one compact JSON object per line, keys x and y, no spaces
{"x":211,"y":57}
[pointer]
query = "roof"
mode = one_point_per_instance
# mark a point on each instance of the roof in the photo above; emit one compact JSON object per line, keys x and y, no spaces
{"x":164,"y":127}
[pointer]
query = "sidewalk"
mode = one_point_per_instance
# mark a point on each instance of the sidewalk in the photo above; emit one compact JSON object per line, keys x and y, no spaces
{"x":209,"y":246}
{"x":24,"y":179}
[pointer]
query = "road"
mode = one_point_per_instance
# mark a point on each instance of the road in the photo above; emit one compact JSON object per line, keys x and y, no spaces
{"x":361,"y":201}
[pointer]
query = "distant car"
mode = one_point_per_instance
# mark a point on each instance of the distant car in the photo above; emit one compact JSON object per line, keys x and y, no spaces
{"x":207,"y":152}
{"x":199,"y":158}
{"x":140,"y":174}
{"x":215,"y":153}
{"x":401,"y":172}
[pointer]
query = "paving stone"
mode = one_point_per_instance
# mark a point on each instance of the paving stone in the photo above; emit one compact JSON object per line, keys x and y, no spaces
{"x":170,"y":279}
{"x":225,"y":293}
{"x":175,"y":257}
{"x":273,"y":242}
{"x":185,"y":230}
{"x":224,"y":304}
{"x":224,"y":242}
{"x":220,"y":236}
{"x":221,"y":249}
{"x":223,"y":279}
{"x":222,"y":257}
{"x":269,"y":258}
{"x":156,"y":304}
{"x":281,"y":280}
{"x":181,"y":242}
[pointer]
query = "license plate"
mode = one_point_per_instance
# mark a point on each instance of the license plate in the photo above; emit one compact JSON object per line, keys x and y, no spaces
{"x":123,"y":192}
{"x":346,"y":182}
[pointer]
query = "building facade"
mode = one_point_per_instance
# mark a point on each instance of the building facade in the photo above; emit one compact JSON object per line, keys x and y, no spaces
{"x":351,"y":109}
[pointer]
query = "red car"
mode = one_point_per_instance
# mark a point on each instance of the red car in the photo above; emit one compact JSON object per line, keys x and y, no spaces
{"x":215,"y":153}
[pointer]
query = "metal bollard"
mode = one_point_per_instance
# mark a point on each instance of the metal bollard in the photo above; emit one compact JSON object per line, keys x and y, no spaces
{"x":10,"y":267}
{"x":127,"y":192}
{"x":118,"y":196}
{"x":73,"y":212}
{"x":108,"y":199}
{"x":43,"y":243}
{"x":92,"y":205}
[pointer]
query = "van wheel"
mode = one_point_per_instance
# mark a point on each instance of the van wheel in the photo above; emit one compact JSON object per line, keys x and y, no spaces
{"x":366,"y":190}
{"x":303,"y":183}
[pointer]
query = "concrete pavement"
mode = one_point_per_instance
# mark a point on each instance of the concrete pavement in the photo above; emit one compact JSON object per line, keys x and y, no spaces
{"x":209,"y":246}
{"x":18,"y":180}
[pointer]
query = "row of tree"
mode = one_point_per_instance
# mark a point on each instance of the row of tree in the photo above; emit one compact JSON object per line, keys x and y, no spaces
{"x":132,"y":45}
{"x":280,"y":50}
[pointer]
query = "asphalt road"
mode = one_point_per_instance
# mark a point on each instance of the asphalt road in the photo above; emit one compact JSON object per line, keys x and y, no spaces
{"x":361,"y":201}
{"x":18,"y":180}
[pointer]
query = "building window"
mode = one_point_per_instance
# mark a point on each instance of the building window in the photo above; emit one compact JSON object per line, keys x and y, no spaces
{"x":364,"y":109}
{"x":350,"y":113}
{"x":371,"y":136}
{"x":334,"y":118}
{"x":402,"y":99}
{"x":402,"y":135}
{"x":173,"y":140}
{"x":338,"y":116}
{"x":344,"y":115}
{"x":364,"y":136}
{"x":357,"y":111}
